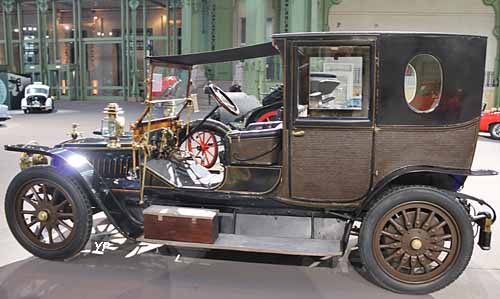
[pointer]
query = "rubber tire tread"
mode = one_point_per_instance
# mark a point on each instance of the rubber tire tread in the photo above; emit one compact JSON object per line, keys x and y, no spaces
{"x":397,"y":195}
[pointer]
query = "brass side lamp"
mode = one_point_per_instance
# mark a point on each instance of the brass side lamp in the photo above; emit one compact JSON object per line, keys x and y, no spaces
{"x":113,"y":124}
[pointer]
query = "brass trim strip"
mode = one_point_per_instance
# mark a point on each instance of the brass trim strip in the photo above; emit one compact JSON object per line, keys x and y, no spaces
{"x":429,"y":128}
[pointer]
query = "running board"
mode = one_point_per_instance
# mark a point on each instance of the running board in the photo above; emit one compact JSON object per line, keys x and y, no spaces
{"x":278,"y":245}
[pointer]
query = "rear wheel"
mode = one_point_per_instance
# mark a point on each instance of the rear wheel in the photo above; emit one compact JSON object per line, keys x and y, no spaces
{"x":416,"y":240}
{"x":495,"y":131}
{"x":49,"y":215}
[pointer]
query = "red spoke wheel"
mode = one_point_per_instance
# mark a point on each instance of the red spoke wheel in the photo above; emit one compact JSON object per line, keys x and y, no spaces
{"x":269,"y":116}
{"x":49,"y":214}
{"x":204,"y":145}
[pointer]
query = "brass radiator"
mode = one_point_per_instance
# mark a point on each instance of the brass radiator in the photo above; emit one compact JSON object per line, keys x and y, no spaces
{"x":117,"y":167}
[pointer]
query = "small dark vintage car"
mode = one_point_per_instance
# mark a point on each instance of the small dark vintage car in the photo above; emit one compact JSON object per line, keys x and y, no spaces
{"x":376,"y":140}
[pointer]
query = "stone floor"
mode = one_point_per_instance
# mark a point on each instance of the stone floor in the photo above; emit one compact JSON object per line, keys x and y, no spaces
{"x":123,"y":273}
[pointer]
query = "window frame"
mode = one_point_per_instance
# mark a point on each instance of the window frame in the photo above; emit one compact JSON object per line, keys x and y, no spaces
{"x":441,"y":88}
{"x":331,"y":121}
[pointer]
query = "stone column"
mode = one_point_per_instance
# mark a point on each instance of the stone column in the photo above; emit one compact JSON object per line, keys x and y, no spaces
{"x":327,"y":4}
{"x":42,"y":7}
{"x":131,"y":54}
{"x":8,"y":6}
{"x":254,"y":69}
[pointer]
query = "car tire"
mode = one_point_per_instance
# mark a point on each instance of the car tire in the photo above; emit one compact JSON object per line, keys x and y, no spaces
{"x":420,"y":245}
{"x":52,"y":108}
{"x":68,"y":200}
{"x":495,"y":131}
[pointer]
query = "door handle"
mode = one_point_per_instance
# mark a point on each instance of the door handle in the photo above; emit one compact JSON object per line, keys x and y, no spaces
{"x":298,"y":133}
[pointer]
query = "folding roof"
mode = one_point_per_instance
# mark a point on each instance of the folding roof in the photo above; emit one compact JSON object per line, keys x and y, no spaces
{"x":233,"y":54}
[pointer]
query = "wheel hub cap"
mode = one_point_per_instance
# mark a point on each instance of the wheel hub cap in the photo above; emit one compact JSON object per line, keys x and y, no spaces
{"x":416,"y":244}
{"x":43,"y":216}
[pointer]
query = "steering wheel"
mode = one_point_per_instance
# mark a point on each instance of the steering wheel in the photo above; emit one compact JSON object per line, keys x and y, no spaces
{"x":223,"y":99}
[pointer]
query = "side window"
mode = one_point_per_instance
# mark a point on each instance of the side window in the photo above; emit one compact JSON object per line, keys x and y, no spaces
{"x":423,"y":83}
{"x":333,"y":82}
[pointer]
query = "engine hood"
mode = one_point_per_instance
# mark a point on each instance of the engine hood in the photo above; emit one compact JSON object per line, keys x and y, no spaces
{"x":37,"y":95}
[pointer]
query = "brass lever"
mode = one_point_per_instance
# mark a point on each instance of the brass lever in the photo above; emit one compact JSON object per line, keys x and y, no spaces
{"x":298,"y":133}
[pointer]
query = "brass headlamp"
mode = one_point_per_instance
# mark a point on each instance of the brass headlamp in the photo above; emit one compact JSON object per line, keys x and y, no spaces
{"x":113,"y":124}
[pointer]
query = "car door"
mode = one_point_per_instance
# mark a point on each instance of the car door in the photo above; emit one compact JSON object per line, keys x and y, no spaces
{"x":330,"y":121}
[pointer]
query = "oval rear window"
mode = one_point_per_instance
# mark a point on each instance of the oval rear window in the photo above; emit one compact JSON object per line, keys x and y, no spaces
{"x":423,"y":83}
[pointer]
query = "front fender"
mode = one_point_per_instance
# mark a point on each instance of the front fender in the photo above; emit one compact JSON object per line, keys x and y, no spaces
{"x":48,"y":102}
{"x":66,"y":162}
{"x":70,"y":164}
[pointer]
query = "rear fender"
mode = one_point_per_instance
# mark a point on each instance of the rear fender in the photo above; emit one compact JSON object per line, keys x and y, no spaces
{"x":458,"y":175}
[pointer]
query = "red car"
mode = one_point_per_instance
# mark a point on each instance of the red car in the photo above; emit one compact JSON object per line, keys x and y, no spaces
{"x":490,"y":122}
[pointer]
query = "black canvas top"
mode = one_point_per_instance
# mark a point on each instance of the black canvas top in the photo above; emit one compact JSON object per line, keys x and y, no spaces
{"x":233,"y":54}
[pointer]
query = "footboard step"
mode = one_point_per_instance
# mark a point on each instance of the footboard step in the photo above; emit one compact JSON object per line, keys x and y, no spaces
{"x":290,"y":246}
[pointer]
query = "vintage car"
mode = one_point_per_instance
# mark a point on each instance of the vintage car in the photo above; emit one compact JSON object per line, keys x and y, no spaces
{"x":37,"y":98}
{"x":490,"y":122}
{"x":4,"y":113}
{"x":383,"y":161}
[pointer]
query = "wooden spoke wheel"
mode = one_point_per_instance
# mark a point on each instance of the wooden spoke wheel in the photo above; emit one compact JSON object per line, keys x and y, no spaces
{"x":204,"y":145}
{"x":44,"y":212}
{"x":415,"y":239}
{"x":416,"y":242}
{"x":49,"y":214}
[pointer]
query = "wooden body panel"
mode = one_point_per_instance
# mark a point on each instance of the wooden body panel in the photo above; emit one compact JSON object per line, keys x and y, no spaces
{"x":400,"y":147}
{"x":331,"y":164}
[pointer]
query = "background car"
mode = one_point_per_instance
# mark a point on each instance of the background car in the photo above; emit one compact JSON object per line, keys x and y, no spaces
{"x":37,"y":97}
{"x":4,"y":113}
{"x":490,"y":122}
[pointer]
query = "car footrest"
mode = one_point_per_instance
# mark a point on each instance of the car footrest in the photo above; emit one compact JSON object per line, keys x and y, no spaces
{"x":278,"y":245}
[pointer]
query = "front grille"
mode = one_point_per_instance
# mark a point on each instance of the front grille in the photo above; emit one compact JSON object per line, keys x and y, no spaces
{"x":39,"y":99}
{"x":112,"y":167}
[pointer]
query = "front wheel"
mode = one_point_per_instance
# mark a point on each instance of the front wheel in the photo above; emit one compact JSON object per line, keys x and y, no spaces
{"x":415,"y":240}
{"x":495,"y":131}
{"x":49,"y":214}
